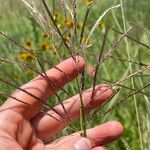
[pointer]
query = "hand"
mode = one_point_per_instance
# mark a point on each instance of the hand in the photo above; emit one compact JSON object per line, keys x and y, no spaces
{"x":24,"y":126}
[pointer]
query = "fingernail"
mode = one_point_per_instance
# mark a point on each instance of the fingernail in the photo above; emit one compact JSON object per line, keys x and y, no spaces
{"x":102,"y":90}
{"x":82,"y":144}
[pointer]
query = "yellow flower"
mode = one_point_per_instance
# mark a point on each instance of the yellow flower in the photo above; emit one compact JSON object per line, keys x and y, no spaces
{"x":26,"y":56}
{"x":86,"y":42}
{"x":56,"y":17}
{"x":29,"y":73}
{"x":16,"y":76}
{"x":67,"y":23}
{"x":27,"y":44}
{"x":101,"y":25}
{"x":89,"y":2}
{"x":67,"y":38}
{"x":45,"y":45}
{"x":44,"y":35}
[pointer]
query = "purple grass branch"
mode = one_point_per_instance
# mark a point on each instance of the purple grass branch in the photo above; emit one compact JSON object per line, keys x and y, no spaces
{"x":125,"y":87}
{"x":30,"y":106}
{"x":129,"y":61}
{"x":134,"y":40}
{"x":74,"y":4}
{"x":37,"y":98}
{"x":36,"y":71}
{"x":30,"y":51}
{"x":58,"y":30}
{"x":53,"y":85}
{"x":114,"y":47}
{"x":124,"y":99}
{"x":99,"y":60}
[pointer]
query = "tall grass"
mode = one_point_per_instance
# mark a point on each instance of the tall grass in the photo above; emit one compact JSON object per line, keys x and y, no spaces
{"x":114,"y":45}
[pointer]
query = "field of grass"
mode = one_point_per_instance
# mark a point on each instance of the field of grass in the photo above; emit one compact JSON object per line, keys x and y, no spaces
{"x":126,"y":66}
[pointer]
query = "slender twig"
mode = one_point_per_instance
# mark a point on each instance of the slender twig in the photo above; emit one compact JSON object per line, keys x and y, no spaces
{"x":125,"y":87}
{"x":126,"y":98}
{"x":82,"y":48}
{"x":52,"y":85}
{"x":85,"y":21}
{"x":129,"y":61}
{"x":58,"y":30}
{"x":141,"y":43}
{"x":31,"y":51}
{"x":74,"y":4}
{"x":113,"y":48}
{"x":99,"y":20}
{"x":36,"y":71}
{"x":30,"y":94}
{"x":30,"y":106}
{"x":99,"y":60}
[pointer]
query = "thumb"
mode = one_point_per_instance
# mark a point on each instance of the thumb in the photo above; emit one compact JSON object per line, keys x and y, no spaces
{"x":70,"y":143}
{"x":82,"y":144}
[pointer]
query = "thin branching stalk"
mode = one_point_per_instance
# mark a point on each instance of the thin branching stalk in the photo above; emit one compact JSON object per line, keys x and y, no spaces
{"x":32,"y":52}
{"x":115,"y":87}
{"x":82,"y":47}
{"x":141,"y":27}
{"x":134,"y":40}
{"x":85,"y":21}
{"x":57,"y":28}
{"x":99,"y":20}
{"x":128,"y":61}
{"x":132,"y":79}
{"x":99,"y":60}
{"x":30,"y":94}
{"x":114,"y":47}
{"x":42,"y":74}
{"x":125,"y":87}
{"x":74,"y":4}
{"x":52,"y":85}
{"x":125,"y":98}
{"x":82,"y":112}
{"x":30,"y":106}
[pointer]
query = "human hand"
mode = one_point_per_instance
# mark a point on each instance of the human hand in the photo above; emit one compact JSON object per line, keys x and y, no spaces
{"x":23,"y":126}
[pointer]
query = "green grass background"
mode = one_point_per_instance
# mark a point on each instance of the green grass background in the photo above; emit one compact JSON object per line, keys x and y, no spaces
{"x":14,"y":20}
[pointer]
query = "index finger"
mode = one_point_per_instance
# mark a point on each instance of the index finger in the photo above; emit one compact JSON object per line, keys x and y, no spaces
{"x":40,"y":88}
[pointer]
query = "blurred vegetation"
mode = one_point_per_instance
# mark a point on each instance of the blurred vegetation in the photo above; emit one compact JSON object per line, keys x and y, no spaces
{"x":18,"y":24}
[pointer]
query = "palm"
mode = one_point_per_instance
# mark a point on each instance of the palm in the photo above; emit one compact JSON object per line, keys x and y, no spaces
{"x":25,"y":127}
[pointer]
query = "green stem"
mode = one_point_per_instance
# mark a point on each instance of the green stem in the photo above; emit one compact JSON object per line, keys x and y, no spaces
{"x":132,"y":80}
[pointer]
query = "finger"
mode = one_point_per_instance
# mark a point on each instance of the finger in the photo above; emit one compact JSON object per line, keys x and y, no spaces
{"x":46,"y":126}
{"x":105,"y":133}
{"x":70,"y":143}
{"x":40,"y":87}
{"x":99,"y":148}
{"x":96,"y":138}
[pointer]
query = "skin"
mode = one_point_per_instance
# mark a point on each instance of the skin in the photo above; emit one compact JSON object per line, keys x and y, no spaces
{"x":23,"y":127}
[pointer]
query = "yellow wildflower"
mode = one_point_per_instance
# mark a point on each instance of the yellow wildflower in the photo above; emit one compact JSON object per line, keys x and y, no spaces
{"x":56,"y":17}
{"x":16,"y":76}
{"x":44,"y":35}
{"x":26,"y":56}
{"x":101,"y":25}
{"x":67,"y":23}
{"x":29,"y":73}
{"x":67,"y":38}
{"x":27,"y":44}
{"x":86,"y":42}
{"x":89,"y":2}
{"x":45,"y":45}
